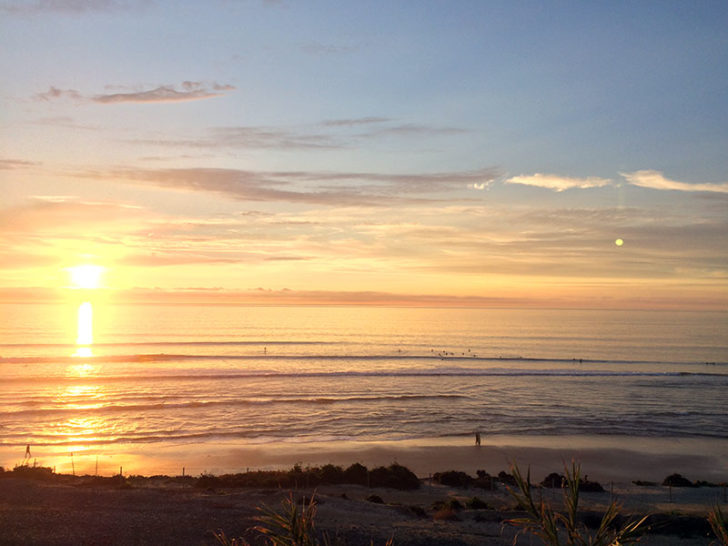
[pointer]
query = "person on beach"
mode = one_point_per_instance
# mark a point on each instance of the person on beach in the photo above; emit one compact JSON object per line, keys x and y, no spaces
{"x":477,"y":437}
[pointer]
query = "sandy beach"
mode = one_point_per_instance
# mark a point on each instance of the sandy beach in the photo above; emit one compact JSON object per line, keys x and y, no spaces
{"x":605,"y":458}
{"x":85,"y":510}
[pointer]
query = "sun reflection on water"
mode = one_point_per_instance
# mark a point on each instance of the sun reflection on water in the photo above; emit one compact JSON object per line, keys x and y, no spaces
{"x":81,"y":430}
{"x":85,"y":338}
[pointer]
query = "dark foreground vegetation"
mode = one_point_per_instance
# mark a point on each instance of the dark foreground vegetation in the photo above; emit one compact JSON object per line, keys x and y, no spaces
{"x":394,"y":476}
{"x":38,"y":506}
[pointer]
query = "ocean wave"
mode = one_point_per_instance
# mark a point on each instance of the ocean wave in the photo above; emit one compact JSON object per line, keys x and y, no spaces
{"x":445,"y":357}
{"x":194,"y":376}
{"x":253,"y":438}
{"x":194,"y":404}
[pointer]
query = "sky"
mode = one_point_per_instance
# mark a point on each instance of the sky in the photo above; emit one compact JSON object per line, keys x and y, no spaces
{"x":474,"y":153}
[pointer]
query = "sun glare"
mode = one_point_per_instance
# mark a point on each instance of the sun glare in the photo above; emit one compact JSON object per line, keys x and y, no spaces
{"x":86,"y":276}
{"x":85,"y":337}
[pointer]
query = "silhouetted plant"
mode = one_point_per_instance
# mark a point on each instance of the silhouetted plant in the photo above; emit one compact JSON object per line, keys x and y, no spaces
{"x":475,"y":503}
{"x":395,"y":476}
{"x":290,"y":526}
{"x":222,"y":539}
{"x":551,"y":527}
{"x":677,"y":480}
{"x":41,"y":473}
{"x":719,"y":524}
{"x":356,"y":473}
{"x":453,"y":478}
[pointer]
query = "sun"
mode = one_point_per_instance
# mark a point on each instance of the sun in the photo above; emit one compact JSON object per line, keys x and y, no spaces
{"x":86,"y":276}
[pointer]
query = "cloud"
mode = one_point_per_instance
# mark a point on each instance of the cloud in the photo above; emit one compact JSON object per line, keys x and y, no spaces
{"x":354,"y":121}
{"x":286,"y":296}
{"x":188,"y":91}
{"x":414,"y":129}
{"x":328,"y":135}
{"x":311,"y":187}
{"x":54,"y":93}
{"x":61,"y":213}
{"x":65,"y":6}
{"x":167,"y":93}
{"x":268,"y":137}
{"x":656,"y":181}
{"x":9,"y":164}
{"x":558,"y":183}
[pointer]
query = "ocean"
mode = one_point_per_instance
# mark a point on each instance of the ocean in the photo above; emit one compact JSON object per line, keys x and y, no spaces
{"x":96,"y":377}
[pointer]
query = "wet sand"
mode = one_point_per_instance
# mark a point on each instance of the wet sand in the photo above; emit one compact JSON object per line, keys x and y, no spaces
{"x":606,"y":459}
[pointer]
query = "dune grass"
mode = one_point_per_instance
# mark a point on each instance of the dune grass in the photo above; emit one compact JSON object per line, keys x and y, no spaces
{"x":563,"y":528}
{"x":719,"y":525}
{"x":293,"y":524}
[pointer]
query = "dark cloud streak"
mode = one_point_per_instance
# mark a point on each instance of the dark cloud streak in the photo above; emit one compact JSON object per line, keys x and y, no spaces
{"x":188,"y":91}
{"x":378,"y":189}
{"x":66,"y":6}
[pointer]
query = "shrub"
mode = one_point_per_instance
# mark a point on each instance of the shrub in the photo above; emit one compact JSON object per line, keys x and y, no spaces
{"x":395,"y":476}
{"x":554,"y":480}
{"x":676,"y":480}
{"x":40,"y":473}
{"x":590,"y":487}
{"x":356,"y":474}
{"x":476,"y":503}
{"x":485,"y":481}
{"x":208,"y":481}
{"x":331,"y":474}
{"x":453,"y":478}
{"x":506,"y":479}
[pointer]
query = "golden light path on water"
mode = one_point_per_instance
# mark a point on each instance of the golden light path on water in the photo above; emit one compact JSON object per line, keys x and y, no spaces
{"x":85,"y":337}
{"x":79,"y":432}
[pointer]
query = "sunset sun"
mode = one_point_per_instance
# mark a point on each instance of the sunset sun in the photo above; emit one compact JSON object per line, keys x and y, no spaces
{"x":86,"y":276}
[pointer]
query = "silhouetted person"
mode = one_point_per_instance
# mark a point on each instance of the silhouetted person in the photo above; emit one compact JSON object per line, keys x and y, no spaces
{"x":477,"y":438}
{"x":27,"y":454}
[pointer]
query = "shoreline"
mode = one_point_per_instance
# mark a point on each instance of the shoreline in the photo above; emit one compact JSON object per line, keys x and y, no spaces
{"x":618,"y":459}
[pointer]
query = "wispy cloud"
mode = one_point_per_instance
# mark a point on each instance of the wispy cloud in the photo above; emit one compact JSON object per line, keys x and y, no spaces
{"x":327,"y":135}
{"x":323,"y":188}
{"x":65,"y":6}
{"x":414,"y":129}
{"x":558,"y":183}
{"x":167,"y":93}
{"x":54,"y":93}
{"x":61,"y":213}
{"x":186,"y":91}
{"x":268,"y":137}
{"x":8,"y":164}
{"x":354,"y":121}
{"x":656,"y":181}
